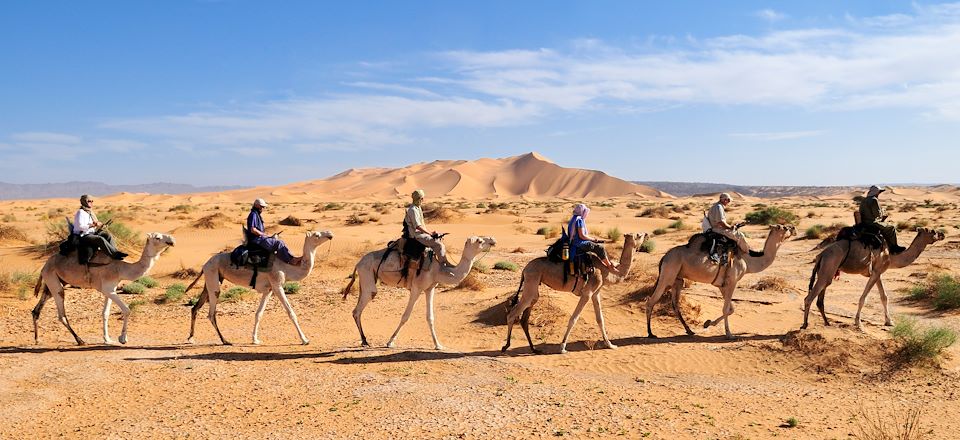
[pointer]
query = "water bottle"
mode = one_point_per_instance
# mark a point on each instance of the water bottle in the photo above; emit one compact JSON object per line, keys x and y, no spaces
{"x":565,"y":253}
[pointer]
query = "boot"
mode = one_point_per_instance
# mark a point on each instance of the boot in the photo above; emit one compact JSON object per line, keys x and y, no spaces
{"x":119,"y":255}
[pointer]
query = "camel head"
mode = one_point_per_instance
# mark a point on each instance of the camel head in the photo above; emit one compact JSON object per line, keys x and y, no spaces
{"x":782,"y":232}
{"x":479,"y":244}
{"x":316,"y":238}
{"x":929,"y":236}
{"x":157,"y":243}
{"x":634,"y":240}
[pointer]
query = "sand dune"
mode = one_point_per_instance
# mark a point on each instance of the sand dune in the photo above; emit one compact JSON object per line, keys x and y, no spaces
{"x":529,"y":176}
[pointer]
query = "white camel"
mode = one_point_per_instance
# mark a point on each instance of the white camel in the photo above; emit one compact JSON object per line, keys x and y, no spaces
{"x":103,"y":274}
{"x":373,"y":268}
{"x":219,"y":268}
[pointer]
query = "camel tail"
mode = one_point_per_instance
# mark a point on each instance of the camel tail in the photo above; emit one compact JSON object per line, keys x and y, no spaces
{"x":813,"y":276}
{"x":36,"y":289}
{"x":193,"y":283}
{"x":516,"y":296}
{"x":353,"y":279}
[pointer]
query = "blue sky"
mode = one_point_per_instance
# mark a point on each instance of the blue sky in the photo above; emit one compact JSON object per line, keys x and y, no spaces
{"x":253,"y":93}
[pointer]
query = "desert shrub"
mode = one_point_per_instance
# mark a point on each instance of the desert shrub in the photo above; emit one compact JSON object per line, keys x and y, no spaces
{"x":811,"y":214}
{"x":506,"y":265}
{"x":184,"y":273}
{"x":648,"y":246}
{"x":548,"y":231}
{"x":814,"y":232}
{"x":773,"y":283}
{"x":133,"y":288}
{"x":291,"y":221}
{"x":660,"y":231}
{"x":896,"y":424}
{"x":136,"y":304}
{"x":481,"y":267}
{"x":235,"y":294}
{"x":551,"y":210}
{"x":655,"y":212}
{"x":942,"y":289}
{"x":147,"y":282}
{"x":902,"y":225}
{"x":174,"y":293}
{"x":436,"y":212}
{"x":182,"y":209}
{"x":12,"y":233}
{"x":20,"y":282}
{"x":678,"y":225}
{"x":614,"y":234}
{"x":291,"y":287}
{"x":908,"y":207}
{"x":212,"y":221}
{"x":472,"y":281}
{"x":772,"y":215}
{"x":122,"y":235}
{"x":7,"y":218}
{"x":791,"y":422}
{"x":354,"y":220}
{"x":920,"y":344}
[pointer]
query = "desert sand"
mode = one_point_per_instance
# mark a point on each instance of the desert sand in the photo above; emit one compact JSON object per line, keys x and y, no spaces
{"x":830,"y":380}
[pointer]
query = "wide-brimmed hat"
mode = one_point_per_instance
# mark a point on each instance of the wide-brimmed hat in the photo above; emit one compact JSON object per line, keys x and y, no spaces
{"x":875,"y":190}
{"x":260,"y":202}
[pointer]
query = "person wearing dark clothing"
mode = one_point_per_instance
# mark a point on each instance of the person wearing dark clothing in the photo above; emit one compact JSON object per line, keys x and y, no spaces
{"x":260,"y":238}
{"x":872,"y":212}
{"x":87,"y":226}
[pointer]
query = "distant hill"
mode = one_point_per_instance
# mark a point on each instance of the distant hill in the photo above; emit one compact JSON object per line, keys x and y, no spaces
{"x":528,"y":175}
{"x":12,"y":191}
{"x":685,"y":189}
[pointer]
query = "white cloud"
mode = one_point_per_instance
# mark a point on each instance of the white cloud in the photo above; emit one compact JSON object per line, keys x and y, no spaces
{"x":46,"y":138}
{"x":776,"y":135}
{"x":770,"y":15}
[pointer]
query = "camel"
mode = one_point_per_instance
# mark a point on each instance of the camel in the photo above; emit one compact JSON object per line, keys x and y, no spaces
{"x":854,"y":258}
{"x":104,"y":274}
{"x":219,"y":268}
{"x":543,"y":271}
{"x":373,"y":268}
{"x":690,"y":262}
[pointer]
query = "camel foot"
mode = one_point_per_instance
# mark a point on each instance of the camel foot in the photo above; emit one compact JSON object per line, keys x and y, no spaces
{"x":191,"y":340}
{"x":611,"y":345}
{"x":563,"y":348}
{"x":225,"y":342}
{"x":305,"y":341}
{"x":364,"y":344}
{"x":690,"y":332}
{"x":80,"y":342}
{"x":707,"y":323}
{"x":888,"y":324}
{"x":391,"y":344}
{"x":803,"y":327}
{"x":439,"y":347}
{"x":256,"y":342}
{"x":652,"y":336}
{"x":108,"y":341}
{"x":504,"y":348}
{"x":536,"y":351}
{"x":730,"y":337}
{"x":123,"y":339}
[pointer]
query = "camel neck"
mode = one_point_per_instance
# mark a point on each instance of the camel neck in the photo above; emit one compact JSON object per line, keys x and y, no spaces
{"x":770,"y":248}
{"x":132,"y":271}
{"x":910,"y":255}
{"x":457,"y":273}
{"x":302,"y":270}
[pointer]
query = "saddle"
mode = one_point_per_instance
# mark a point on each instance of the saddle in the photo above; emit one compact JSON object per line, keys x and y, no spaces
{"x":252,"y":256}
{"x":413,"y":254}
{"x":719,"y":247}
{"x":578,"y":264}
{"x":73,"y":243}
{"x":868,"y":234}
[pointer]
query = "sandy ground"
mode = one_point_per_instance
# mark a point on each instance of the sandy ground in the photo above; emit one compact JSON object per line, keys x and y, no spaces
{"x":703,"y":386}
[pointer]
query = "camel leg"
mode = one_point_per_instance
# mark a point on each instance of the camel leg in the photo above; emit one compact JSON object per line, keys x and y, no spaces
{"x":863,"y":298}
{"x":282,"y":296}
{"x":110,"y":292}
{"x":598,"y":311}
{"x":213,"y":296}
{"x":264,"y":299}
{"x":433,"y":331}
{"x":573,"y":320}
{"x":201,"y":300}
{"x":667,"y":274}
{"x":62,"y":312}
{"x":107,"y":302}
{"x":822,"y":307}
{"x":675,"y":299}
{"x":883,"y":300}
{"x":525,"y":324}
{"x":528,"y":298}
{"x":414,"y":295}
{"x":727,"y":311}
{"x":36,"y":314}
{"x":362,"y":301}
{"x":819,"y":290}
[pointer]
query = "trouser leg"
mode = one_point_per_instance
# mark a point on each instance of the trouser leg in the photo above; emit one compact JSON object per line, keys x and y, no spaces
{"x":438,"y":248}
{"x":890,"y":234}
{"x":735,"y":236}
{"x":108,"y":242}
{"x":276,"y":245}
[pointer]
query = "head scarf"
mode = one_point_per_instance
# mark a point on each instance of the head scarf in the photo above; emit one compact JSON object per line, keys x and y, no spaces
{"x":85,"y":202}
{"x":581,"y":210}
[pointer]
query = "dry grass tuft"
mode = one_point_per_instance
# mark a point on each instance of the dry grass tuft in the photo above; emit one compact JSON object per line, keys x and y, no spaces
{"x":212,"y":221}
{"x":890,"y":424}
{"x":440,"y":214}
{"x":291,"y":221}
{"x":12,"y":233}
{"x":773,"y":283}
{"x":184,"y":273}
{"x":473,"y":281}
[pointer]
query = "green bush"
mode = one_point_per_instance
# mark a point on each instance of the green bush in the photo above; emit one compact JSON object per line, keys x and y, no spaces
{"x":235,"y":294}
{"x":678,"y":225}
{"x":506,"y":265}
{"x":133,"y":288}
{"x":182,"y":209}
{"x":174,"y":293}
{"x":481,"y":267}
{"x":659,"y":231}
{"x":614,"y":234}
{"x":548,"y":231}
{"x":648,"y":246}
{"x":291,"y":287}
{"x":771,"y":215}
{"x":147,"y":282}
{"x":943,"y":289}
{"x":814,"y":232}
{"x":918,"y":344}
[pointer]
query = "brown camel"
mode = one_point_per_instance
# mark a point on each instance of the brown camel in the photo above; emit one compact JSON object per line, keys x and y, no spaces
{"x":690,"y":262}
{"x":104,"y":274}
{"x":855,"y":258}
{"x":543,"y":271}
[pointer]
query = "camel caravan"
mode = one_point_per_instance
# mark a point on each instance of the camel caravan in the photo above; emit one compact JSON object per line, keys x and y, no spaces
{"x":417,"y":261}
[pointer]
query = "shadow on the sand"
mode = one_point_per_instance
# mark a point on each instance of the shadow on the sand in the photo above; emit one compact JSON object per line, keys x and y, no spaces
{"x":89,"y":348}
{"x":693,"y":339}
{"x":239,"y":356}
